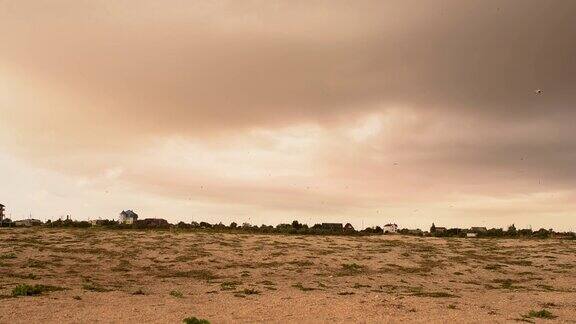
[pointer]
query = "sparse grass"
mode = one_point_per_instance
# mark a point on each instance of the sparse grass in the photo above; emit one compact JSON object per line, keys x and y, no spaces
{"x":7,"y":256}
{"x":194,"y":320}
{"x":301,"y":287}
{"x":250,"y":291}
{"x":139,"y":291}
{"x":91,"y":286}
{"x":350,"y":269}
{"x":434,"y":294}
{"x":176,"y":294}
{"x":229,"y":285}
{"x":196,"y":274}
{"x":27,"y":290}
{"x":544,"y":314}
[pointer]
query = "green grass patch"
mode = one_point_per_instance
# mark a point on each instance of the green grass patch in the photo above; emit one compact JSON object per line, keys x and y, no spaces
{"x":27,"y":290}
{"x":194,"y":320}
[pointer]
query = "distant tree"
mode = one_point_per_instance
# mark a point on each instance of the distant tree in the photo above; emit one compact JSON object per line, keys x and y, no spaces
{"x":296,"y":225}
{"x":433,"y":228}
{"x":205,"y":225}
{"x":233,"y":225}
{"x":512,"y":231}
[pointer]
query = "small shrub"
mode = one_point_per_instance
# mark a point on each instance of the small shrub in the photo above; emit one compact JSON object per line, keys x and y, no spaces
{"x":545,"y":314}
{"x":27,"y":290}
{"x":349,"y":269}
{"x":139,"y":292}
{"x":176,"y":293}
{"x":7,"y":256}
{"x":250,"y":291}
{"x":194,"y":320}
{"x":229,"y":285}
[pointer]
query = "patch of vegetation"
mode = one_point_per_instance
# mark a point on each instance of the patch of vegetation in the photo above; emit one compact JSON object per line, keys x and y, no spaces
{"x":299,"y":286}
{"x":194,"y":320}
{"x":545,"y":314}
{"x":91,"y":286}
{"x":176,"y":293}
{"x":250,"y":291}
{"x":229,"y":285}
{"x":140,"y":291}
{"x":350,"y":269}
{"x":434,"y":294}
{"x":7,"y":256}
{"x":506,"y":284}
{"x":27,"y":290}
{"x":196,"y":274}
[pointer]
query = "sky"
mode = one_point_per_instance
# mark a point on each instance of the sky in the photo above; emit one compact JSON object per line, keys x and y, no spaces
{"x":367,"y":112}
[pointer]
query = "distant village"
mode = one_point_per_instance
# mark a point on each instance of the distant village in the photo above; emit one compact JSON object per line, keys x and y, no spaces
{"x":128,"y":219}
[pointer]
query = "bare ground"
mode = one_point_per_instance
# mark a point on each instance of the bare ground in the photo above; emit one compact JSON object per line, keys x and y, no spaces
{"x":162,"y":276}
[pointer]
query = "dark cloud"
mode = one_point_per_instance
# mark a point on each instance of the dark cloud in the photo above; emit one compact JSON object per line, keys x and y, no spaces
{"x":87,"y":79}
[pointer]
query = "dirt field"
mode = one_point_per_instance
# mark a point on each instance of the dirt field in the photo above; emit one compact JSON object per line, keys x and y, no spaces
{"x":154,"y":276}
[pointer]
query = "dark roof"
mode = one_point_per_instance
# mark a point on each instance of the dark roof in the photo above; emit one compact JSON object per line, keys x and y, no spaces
{"x":390,"y":224}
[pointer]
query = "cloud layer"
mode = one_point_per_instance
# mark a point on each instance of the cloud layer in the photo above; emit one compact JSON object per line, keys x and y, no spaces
{"x":405,"y":110}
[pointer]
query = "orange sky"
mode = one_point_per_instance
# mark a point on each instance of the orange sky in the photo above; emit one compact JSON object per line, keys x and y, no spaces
{"x":267,"y":111}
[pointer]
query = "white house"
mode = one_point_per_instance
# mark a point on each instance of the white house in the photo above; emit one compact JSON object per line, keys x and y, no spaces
{"x":128,"y":217}
{"x":469,"y":234}
{"x":390,"y":228}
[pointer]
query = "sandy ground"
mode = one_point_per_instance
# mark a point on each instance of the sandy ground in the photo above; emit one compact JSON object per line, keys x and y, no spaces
{"x":153,"y":276}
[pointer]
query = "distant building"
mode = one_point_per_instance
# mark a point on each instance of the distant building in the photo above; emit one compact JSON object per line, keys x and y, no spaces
{"x":349,"y":227}
{"x":478,"y":230}
{"x":128,"y":217}
{"x":28,"y":222}
{"x":390,"y":228}
{"x":334,"y":227}
{"x":471,"y":234}
{"x":440,"y":230}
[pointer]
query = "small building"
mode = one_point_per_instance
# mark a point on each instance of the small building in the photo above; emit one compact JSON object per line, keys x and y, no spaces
{"x":334,"y":227}
{"x":471,"y":234}
{"x":128,"y":217}
{"x":390,"y":228}
{"x":478,"y":230}
{"x":28,"y":222}
{"x":349,"y":227}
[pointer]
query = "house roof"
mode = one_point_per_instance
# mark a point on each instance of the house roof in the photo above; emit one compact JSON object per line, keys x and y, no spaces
{"x":390,"y":225}
{"x":128,"y":213}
